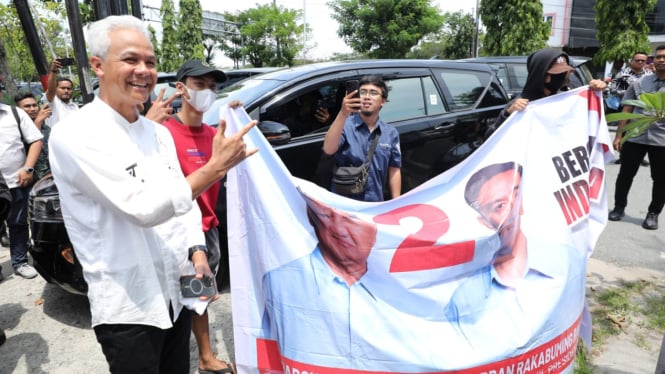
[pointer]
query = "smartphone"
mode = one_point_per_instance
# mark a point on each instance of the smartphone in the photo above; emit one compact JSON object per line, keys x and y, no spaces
{"x":67,"y":61}
{"x":192,"y":287}
{"x":352,"y":86}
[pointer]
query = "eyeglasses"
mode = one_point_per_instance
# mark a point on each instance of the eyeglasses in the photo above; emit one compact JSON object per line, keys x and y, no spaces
{"x":372,"y":93}
{"x":659,"y":57}
{"x":640,"y":61}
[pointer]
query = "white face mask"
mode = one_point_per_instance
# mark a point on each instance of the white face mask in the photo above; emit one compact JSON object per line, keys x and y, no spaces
{"x":200,"y":100}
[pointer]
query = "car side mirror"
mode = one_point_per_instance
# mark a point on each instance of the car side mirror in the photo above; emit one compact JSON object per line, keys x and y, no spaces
{"x":276,"y":133}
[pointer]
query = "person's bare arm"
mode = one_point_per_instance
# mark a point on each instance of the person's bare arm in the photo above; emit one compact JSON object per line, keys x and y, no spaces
{"x":620,"y":126}
{"x":52,"y":80}
{"x":226,"y":153}
{"x":597,"y":85}
{"x":395,"y":181}
{"x":350,"y":104}
{"x":518,"y":105}
{"x":25,"y":178}
{"x":43,"y":114}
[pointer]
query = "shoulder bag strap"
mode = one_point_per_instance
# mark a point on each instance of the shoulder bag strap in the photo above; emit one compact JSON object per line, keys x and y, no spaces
{"x":18,"y":121}
{"x":370,"y":154}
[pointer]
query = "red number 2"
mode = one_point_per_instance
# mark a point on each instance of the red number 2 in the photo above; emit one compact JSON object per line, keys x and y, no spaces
{"x":418,"y":250}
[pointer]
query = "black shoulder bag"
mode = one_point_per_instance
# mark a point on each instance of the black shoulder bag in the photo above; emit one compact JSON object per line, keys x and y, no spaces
{"x":351,"y":180}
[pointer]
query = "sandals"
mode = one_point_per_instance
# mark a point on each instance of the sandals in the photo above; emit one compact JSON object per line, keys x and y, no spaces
{"x":228,"y":369}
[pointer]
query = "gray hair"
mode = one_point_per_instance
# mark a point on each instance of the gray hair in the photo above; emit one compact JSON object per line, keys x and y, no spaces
{"x":98,"y":32}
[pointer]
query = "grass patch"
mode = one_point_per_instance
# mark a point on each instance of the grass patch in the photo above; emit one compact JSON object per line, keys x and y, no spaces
{"x":654,"y":310}
{"x":617,"y":307}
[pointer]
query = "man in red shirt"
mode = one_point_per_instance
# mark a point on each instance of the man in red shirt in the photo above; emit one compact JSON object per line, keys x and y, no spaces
{"x":197,"y":86}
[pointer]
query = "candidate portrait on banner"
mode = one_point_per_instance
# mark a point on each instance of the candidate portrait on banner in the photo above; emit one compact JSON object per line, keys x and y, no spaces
{"x":481,"y":268}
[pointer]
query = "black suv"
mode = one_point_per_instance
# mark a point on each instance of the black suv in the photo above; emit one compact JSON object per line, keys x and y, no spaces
{"x":512,"y":71}
{"x":440,"y":108}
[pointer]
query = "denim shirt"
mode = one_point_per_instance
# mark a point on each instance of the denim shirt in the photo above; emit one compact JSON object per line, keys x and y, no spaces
{"x":353,"y":149}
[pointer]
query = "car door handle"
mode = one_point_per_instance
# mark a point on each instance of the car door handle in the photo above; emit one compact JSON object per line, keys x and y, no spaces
{"x":444,"y":126}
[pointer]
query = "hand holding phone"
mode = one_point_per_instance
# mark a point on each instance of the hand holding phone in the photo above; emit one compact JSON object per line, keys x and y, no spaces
{"x":67,"y":61}
{"x":353,"y":86}
{"x":190,"y":286}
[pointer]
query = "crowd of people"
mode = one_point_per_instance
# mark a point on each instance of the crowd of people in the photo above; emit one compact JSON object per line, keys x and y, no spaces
{"x":137,"y":177}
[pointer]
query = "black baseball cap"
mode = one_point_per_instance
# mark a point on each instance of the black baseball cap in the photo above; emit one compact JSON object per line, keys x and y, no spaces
{"x":195,"y":68}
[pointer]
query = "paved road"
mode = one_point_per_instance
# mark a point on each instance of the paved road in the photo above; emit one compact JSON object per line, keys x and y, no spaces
{"x":626,"y":243}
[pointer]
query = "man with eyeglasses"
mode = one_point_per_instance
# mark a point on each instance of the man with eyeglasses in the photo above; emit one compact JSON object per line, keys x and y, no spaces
{"x":350,"y":137}
{"x":625,"y":78}
{"x":651,"y":143}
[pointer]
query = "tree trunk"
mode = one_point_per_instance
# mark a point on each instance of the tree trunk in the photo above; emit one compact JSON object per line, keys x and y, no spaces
{"x":6,"y":75}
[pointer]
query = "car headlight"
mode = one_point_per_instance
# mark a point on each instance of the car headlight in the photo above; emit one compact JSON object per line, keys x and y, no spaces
{"x":44,"y":201}
{"x":46,"y":208}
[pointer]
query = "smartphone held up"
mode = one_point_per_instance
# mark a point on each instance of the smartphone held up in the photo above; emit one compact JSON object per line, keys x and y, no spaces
{"x":352,"y":86}
{"x":67,"y":61}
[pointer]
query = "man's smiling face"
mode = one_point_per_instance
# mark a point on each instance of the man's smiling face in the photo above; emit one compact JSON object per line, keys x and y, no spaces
{"x":128,"y":74}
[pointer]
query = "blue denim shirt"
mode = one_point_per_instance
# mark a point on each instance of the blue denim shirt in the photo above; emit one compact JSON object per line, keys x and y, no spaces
{"x":354,"y":146}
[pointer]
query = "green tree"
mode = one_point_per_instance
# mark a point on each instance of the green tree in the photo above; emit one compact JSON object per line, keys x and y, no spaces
{"x":209,"y":46}
{"x":620,"y":37}
{"x":269,"y":35}
{"x":231,"y":44}
{"x":169,"y":60}
{"x":384,"y":28}
{"x":453,"y":41}
{"x":190,"y":34}
{"x":153,"y":40}
{"x":514,"y":27}
{"x":18,"y":65}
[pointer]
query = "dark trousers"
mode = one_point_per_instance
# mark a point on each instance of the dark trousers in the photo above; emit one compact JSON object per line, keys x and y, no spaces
{"x":19,"y":235}
{"x":631,"y":156}
{"x":147,"y":349}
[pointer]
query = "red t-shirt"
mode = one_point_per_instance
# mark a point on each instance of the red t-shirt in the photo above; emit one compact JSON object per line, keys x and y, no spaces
{"x":194,"y":146}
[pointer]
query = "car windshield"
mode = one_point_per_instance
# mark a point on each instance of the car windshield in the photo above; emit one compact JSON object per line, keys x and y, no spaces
{"x":245,"y":91}
{"x":170,"y":90}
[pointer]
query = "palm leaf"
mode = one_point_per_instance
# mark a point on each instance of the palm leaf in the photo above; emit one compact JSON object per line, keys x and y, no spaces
{"x":619,"y":116}
{"x":637,"y":127}
{"x":653,"y":105}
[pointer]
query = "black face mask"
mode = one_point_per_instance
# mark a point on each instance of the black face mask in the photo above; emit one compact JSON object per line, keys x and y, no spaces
{"x":556,"y":81}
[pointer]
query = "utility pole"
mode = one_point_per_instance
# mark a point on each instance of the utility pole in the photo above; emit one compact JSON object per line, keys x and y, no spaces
{"x":78,"y":44}
{"x":304,"y":34}
{"x":476,"y":31}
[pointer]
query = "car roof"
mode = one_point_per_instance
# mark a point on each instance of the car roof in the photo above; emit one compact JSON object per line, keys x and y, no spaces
{"x":574,"y":60}
{"x":245,"y":71}
{"x":302,"y":71}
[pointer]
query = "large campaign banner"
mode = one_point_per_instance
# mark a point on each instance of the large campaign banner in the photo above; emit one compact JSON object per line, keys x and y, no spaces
{"x":479,"y":270}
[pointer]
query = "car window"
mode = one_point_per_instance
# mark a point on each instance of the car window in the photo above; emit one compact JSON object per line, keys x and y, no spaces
{"x":464,"y":87}
{"x":518,"y":73}
{"x":170,"y":90}
{"x":502,"y":74}
{"x":310,"y":111}
{"x":411,"y":98}
{"x":580,"y":77}
{"x":492,"y":97}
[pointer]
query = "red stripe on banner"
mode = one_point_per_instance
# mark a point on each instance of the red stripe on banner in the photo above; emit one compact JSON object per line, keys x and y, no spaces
{"x":432,"y":257}
{"x":552,"y":358}
{"x":268,"y":358}
{"x":593,"y":100}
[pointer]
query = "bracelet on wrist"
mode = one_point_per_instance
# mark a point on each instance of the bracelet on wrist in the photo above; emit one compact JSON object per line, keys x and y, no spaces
{"x":196,"y":248}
